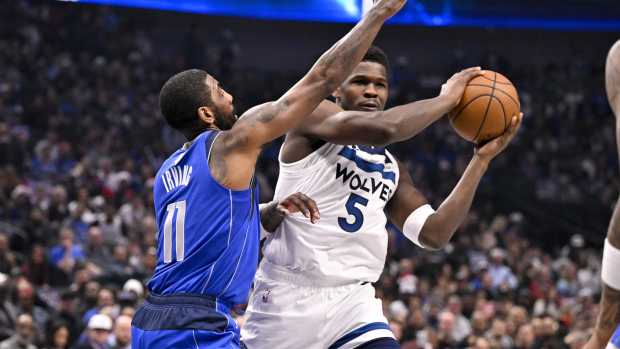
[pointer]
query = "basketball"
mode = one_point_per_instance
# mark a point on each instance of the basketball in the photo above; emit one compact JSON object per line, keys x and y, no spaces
{"x":488,"y":104}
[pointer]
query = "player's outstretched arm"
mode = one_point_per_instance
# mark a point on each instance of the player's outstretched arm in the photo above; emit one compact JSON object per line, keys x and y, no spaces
{"x":332,"y":124}
{"x":609,"y":315}
{"x":240,"y":145}
{"x":433,"y":230}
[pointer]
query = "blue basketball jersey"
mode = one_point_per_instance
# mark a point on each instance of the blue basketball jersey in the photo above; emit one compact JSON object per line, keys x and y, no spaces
{"x":208,"y":235}
{"x":615,"y":339}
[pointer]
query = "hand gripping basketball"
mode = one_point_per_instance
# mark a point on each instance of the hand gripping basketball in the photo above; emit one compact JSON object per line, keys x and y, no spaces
{"x":486,"y":107}
{"x":455,"y":86}
{"x":492,"y":148}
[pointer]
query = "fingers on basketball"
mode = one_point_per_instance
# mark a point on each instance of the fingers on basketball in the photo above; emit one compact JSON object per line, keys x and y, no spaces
{"x":486,"y":108}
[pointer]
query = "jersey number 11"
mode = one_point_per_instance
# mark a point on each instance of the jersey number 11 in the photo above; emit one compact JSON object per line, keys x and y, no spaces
{"x":177,"y":208}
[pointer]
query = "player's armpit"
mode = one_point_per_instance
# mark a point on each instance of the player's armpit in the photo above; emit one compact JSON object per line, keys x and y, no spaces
{"x":231,"y":162}
{"x":235,"y":151}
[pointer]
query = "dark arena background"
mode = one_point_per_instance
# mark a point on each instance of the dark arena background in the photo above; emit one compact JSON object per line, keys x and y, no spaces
{"x":81,"y":137}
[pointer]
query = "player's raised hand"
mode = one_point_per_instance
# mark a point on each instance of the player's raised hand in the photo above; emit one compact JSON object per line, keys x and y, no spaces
{"x":495,"y":146}
{"x":455,"y":86}
{"x":388,"y":8}
{"x":299,"y":202}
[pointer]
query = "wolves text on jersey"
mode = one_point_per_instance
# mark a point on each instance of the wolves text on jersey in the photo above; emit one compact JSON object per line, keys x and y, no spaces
{"x":369,"y":185}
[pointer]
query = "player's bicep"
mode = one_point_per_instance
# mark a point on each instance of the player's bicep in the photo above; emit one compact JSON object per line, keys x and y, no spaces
{"x":271,"y":120}
{"x":252,"y":130}
{"x":406,"y":199}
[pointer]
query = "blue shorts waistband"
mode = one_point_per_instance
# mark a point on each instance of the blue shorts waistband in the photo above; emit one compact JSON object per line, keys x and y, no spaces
{"x":183,"y":312}
{"x":189,"y":299}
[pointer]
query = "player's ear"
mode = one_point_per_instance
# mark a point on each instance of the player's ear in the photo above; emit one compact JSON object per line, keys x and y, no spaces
{"x":206,"y":115}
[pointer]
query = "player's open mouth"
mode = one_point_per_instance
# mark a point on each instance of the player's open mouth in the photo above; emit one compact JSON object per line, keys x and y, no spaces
{"x":369,"y":106}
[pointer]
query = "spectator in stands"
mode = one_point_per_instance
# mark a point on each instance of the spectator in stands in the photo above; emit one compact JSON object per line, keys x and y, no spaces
{"x":58,"y":337}
{"x":98,"y":330}
{"x":121,"y":338}
{"x":77,"y":109}
{"x":24,"y":334}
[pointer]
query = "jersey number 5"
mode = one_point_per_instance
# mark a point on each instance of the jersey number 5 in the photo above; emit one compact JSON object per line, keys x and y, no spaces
{"x":177,"y":208}
{"x":353,"y":210}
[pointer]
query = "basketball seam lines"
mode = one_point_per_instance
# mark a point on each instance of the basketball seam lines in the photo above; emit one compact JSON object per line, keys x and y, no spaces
{"x":467,"y":105}
{"x":486,"y":112}
{"x":504,"y":113}
{"x":499,"y":90}
{"x":495,"y":81}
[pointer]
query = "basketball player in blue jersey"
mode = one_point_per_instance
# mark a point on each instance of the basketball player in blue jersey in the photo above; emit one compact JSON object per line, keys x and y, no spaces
{"x":609,"y":314}
{"x":319,"y":276}
{"x":206,"y":199}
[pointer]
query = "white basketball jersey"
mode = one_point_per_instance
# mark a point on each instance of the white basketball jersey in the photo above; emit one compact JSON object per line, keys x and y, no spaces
{"x":351,"y":186}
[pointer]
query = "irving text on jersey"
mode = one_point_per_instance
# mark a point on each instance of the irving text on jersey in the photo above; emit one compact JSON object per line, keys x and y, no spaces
{"x":176,"y":176}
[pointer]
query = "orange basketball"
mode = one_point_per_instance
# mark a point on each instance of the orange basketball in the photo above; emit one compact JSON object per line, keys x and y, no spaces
{"x":488,"y":104}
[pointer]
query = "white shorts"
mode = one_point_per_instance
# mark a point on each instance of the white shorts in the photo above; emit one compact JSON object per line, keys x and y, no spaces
{"x":286,"y":312}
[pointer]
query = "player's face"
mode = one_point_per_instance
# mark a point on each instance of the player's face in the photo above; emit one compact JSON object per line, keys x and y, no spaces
{"x":224,"y":109}
{"x":366,"y":89}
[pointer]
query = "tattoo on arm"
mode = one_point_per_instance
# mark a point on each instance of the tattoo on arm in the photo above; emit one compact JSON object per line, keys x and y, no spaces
{"x":340,"y":60}
{"x":219,"y":171}
{"x":266,"y":115}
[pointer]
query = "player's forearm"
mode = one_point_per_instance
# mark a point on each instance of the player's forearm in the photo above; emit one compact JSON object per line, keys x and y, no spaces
{"x":410,"y":119}
{"x":338,"y":62}
{"x":272,"y":120}
{"x":441,"y":226}
{"x":609,"y":315}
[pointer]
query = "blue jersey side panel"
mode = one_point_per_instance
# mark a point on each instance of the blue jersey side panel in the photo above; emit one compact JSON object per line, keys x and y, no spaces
{"x":615,"y":338}
{"x":216,"y":229}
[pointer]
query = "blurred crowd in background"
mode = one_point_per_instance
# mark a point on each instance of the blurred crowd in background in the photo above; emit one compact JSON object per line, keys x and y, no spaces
{"x":81,"y":138}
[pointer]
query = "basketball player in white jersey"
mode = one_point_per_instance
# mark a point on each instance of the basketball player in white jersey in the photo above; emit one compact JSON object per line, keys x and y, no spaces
{"x":609,"y":314}
{"x":313,"y":287}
